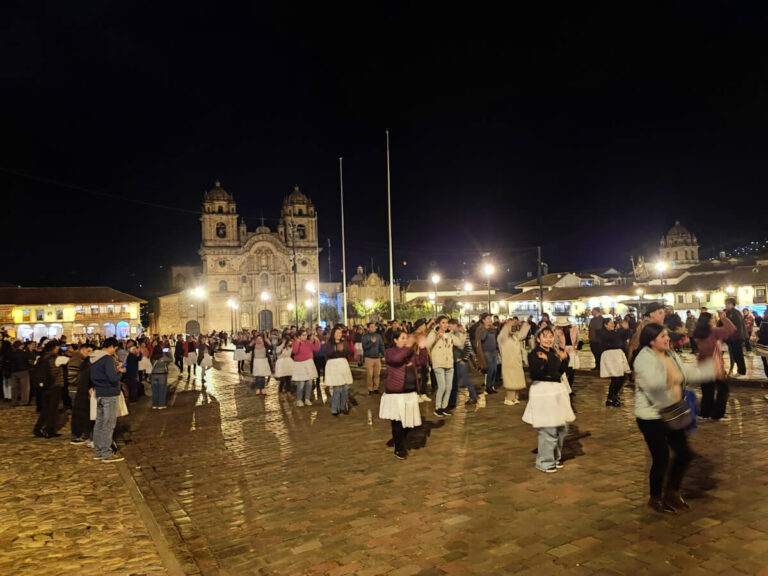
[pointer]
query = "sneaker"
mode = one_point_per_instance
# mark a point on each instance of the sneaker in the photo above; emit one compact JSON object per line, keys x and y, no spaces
{"x":550,"y":470}
{"x":439,"y":412}
{"x":508,"y":402}
{"x":113,"y":458}
{"x":739,"y":376}
{"x":421,"y":400}
{"x":725,"y":418}
{"x":299,"y":403}
{"x":426,"y":398}
{"x":154,"y":407}
{"x":515,"y":402}
{"x":559,"y":464}
{"x":401,"y":455}
{"x":307,"y":402}
{"x":765,"y":397}
{"x":447,"y":412}
{"x":77,"y":441}
{"x":89,"y":444}
{"x":162,"y":407}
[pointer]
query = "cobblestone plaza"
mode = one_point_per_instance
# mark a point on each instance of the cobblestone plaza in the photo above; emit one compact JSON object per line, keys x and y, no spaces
{"x":227,"y":482}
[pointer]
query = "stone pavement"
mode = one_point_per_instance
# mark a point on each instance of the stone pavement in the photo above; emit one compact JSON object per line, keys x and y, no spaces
{"x":244,"y":484}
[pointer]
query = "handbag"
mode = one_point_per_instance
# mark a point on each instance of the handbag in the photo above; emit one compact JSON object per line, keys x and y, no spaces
{"x":678,"y":416}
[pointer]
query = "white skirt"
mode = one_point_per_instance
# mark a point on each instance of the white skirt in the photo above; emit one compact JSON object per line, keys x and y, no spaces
{"x":613,"y":363}
{"x":548,"y":405}
{"x":239,"y":354}
{"x":303,"y":371}
{"x":190,"y":359}
{"x":207,"y":361}
{"x":261,"y":367}
{"x":573,"y":356}
{"x":145,"y":365}
{"x":284,"y":367}
{"x":401,"y":407}
{"x":337,"y":372}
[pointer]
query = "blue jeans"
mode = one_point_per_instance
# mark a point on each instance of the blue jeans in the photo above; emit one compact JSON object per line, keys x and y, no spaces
{"x":462,"y":376}
{"x":159,"y":389}
{"x":550,"y":446}
{"x":304,"y":390}
{"x":490,"y":376}
{"x":106,"y":417}
{"x":339,"y":398}
{"x":444,"y":378}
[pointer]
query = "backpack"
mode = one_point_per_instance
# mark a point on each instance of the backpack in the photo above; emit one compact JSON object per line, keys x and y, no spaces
{"x":38,"y":374}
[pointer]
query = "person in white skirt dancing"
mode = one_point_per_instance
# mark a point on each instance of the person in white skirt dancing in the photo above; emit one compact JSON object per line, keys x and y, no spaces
{"x":239,"y":355}
{"x":190,"y":356}
{"x":400,"y":402}
{"x":284,"y":363}
{"x":304,"y":371}
{"x":204,"y":356}
{"x":338,"y":376}
{"x":549,"y":406}
{"x":260,"y":365}
{"x":613,"y":361}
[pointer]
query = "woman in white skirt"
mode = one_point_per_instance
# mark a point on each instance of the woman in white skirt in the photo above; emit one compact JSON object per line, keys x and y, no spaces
{"x":400,"y":401}
{"x":304,"y":371}
{"x":549,"y":406}
{"x":613,"y":361}
{"x":204,"y":357}
{"x":260,"y":369}
{"x":239,"y":356}
{"x":284,"y":363}
{"x":190,"y":356}
{"x":338,"y":376}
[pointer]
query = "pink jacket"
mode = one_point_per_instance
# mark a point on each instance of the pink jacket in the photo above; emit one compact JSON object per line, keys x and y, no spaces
{"x":304,"y":350}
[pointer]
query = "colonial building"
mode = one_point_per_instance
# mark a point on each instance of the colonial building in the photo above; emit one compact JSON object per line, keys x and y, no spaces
{"x":246,"y":278}
{"x":364,"y":287}
{"x":35,"y":313}
{"x":679,"y":248}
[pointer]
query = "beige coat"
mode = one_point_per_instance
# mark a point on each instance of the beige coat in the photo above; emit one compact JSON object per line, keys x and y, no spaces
{"x":511,"y":349}
{"x":441,"y":347}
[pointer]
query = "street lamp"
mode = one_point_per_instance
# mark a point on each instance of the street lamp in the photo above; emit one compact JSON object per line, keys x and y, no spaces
{"x":435,"y":280}
{"x":488,"y":270}
{"x":264,"y":298}
{"x":232,"y":307}
{"x":199,"y":294}
{"x":368,"y":303}
{"x":311,"y":289}
{"x":660,"y":267}
{"x":467,"y":287}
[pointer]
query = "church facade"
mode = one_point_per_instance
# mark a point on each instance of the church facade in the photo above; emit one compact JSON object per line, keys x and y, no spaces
{"x":246,"y":278}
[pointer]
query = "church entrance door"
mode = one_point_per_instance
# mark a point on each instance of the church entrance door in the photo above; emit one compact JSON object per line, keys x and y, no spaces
{"x":265,"y":320}
{"x":193,"y":327}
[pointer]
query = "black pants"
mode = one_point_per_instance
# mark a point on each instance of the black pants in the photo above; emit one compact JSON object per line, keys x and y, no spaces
{"x":423,"y":376}
{"x":597,"y":352}
{"x":50,"y":411}
{"x":570,"y":373}
{"x":659,"y":440}
{"x":617,"y":383}
{"x":736,"y":351}
{"x":714,"y":406}
{"x":765,"y":365}
{"x":179,"y":363}
{"x":694,"y":347}
{"x":398,"y":435}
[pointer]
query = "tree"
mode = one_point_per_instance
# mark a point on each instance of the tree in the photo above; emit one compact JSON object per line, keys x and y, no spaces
{"x":450,"y":306}
{"x":329,"y":314}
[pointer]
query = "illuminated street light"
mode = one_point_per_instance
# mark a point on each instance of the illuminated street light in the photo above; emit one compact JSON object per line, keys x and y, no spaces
{"x":467,"y":287}
{"x":730,"y":289}
{"x":488,"y":270}
{"x":290,"y":306}
{"x":698,"y":300}
{"x":232,"y":307}
{"x":435,"y":280}
{"x":311,"y":287}
{"x":199,"y":294}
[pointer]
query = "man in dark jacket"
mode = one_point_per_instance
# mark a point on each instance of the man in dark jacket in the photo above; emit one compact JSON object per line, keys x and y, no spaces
{"x":51,"y":377}
{"x":21,"y":361}
{"x":105,"y":380}
{"x":735,"y":342}
{"x":595,"y":330}
{"x":79,"y":377}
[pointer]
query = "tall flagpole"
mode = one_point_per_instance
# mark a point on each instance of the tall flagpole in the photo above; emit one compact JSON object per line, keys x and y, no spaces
{"x":389,"y":218}
{"x":343,"y":245}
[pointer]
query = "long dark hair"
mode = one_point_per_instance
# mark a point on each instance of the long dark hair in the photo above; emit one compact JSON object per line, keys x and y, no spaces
{"x":648,"y":335}
{"x":703,"y":327}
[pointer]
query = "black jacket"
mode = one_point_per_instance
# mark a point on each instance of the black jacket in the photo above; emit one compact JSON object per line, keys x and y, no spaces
{"x":549,"y":370}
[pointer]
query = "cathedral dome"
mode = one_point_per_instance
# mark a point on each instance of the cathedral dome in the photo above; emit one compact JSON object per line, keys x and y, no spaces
{"x":678,"y":230}
{"x":218,"y":194}
{"x":296,"y":197}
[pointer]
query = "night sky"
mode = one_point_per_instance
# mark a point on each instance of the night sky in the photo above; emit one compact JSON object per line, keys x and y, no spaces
{"x":586,"y":129}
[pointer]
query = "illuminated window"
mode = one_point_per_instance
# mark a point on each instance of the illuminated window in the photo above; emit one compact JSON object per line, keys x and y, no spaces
{"x":94,"y":310}
{"x":40,"y":314}
{"x":110,"y":309}
{"x":79,"y":309}
{"x":125,"y":308}
{"x":25,"y":315}
{"x":59,"y":314}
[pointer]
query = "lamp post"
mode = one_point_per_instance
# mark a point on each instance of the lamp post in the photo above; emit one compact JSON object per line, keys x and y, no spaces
{"x":660,"y":267}
{"x":488,"y":271}
{"x":232,"y":307}
{"x":264,"y":298}
{"x":368,"y":303}
{"x":199,"y":294}
{"x":311,"y":289}
{"x":435,"y":280}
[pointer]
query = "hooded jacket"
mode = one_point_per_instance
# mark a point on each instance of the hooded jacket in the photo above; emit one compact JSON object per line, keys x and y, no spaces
{"x":105,"y":378}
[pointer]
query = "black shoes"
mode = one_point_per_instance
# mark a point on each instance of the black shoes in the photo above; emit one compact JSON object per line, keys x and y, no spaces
{"x":609,"y":402}
{"x":401,"y":455}
{"x":658,"y":505}
{"x":376,"y":392}
{"x":439,"y":412}
{"x":38,"y":433}
{"x":673,"y":499}
{"x":447,"y":412}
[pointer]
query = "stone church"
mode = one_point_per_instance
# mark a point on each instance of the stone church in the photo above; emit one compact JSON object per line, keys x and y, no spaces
{"x":246,"y":278}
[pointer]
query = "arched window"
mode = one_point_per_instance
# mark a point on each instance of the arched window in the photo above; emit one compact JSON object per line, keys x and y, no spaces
{"x":221,"y":230}
{"x":243,"y":279}
{"x":302,"y":231}
{"x":223,"y":286}
{"x":221,"y":210}
{"x":264,"y":280}
{"x":300,"y":212}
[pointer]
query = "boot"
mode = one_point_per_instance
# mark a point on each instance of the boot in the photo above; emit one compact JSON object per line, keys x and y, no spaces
{"x":673,"y":499}
{"x":657,"y":504}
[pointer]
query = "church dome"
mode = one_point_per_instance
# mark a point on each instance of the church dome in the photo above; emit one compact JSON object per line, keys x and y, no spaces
{"x":296,"y":197}
{"x":218,"y":194}
{"x":359,"y":277}
{"x":263,"y":230}
{"x":678,"y":230}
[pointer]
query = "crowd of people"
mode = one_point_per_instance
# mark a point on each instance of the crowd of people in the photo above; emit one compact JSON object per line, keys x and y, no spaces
{"x":99,"y":377}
